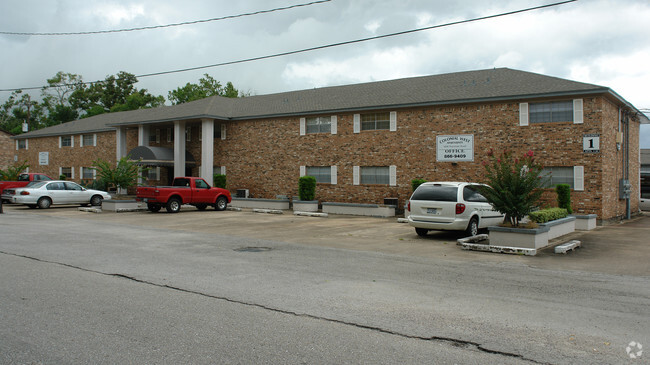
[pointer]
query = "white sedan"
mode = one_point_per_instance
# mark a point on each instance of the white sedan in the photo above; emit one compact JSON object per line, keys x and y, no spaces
{"x":42,"y":194}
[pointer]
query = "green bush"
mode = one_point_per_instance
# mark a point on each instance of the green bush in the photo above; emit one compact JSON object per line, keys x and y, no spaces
{"x":564,"y":196}
{"x":416,"y":182}
{"x":62,"y":177}
{"x":546,"y":215}
{"x":219,"y":181}
{"x":307,"y":188}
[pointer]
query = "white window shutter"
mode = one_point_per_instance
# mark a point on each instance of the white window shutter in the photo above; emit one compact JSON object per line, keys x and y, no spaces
{"x":578,"y":178}
{"x":16,"y":145}
{"x":356,"y":172}
{"x":334,"y":126}
{"x":523,"y":114}
{"x":60,"y":171}
{"x":333,"y":175}
{"x":95,"y":141}
{"x":357,"y":123}
{"x":72,"y":172}
{"x":81,"y":140}
{"x":393,"y":121}
{"x":303,"y":171}
{"x":223,"y":170}
{"x":303,"y":127}
{"x":392,"y":174}
{"x":578,"y":115}
{"x":71,"y":141}
{"x":223,"y":131}
{"x":26,"y":144}
{"x":60,"y":141}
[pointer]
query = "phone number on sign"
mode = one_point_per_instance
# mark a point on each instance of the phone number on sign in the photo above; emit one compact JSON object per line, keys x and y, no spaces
{"x":455,"y":156}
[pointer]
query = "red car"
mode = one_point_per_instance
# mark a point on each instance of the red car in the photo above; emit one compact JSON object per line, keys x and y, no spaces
{"x":184,"y":190}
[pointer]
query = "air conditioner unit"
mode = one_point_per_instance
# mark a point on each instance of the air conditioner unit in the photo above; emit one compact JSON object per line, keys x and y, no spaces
{"x":242,"y":193}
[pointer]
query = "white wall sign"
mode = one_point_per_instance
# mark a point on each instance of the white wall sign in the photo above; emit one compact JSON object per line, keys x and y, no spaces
{"x":591,"y":143}
{"x":455,"y":148}
{"x":43,"y":158}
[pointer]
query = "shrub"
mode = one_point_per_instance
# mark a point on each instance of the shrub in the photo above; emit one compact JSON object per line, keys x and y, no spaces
{"x":546,"y":215}
{"x":417,"y":182}
{"x":307,"y":188}
{"x":513,"y":184}
{"x":12,"y":172}
{"x":564,"y":196}
{"x":219,"y":181}
{"x":123,"y":175}
{"x":62,"y":177}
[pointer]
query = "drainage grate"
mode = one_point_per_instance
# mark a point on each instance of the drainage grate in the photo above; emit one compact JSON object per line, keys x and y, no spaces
{"x":253,"y":249}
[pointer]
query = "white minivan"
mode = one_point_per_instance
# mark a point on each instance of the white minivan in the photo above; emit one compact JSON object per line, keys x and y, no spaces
{"x":456,"y":206}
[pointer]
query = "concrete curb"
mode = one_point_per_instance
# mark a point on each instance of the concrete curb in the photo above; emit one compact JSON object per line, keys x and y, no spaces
{"x":268,"y":211}
{"x":311,"y":214}
{"x":568,"y":246}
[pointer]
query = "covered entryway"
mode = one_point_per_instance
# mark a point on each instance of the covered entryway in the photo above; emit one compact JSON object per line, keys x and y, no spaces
{"x":160,"y":157}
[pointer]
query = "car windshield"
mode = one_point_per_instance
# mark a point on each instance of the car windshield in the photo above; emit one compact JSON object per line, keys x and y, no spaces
{"x":436,"y":193}
{"x":23,"y":177}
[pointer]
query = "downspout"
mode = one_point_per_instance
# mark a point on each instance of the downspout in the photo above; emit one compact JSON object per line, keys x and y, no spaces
{"x":626,"y":122}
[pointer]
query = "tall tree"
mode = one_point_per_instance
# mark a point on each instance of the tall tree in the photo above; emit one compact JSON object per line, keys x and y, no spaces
{"x":18,"y":109}
{"x":206,"y":87}
{"x":56,"y":97}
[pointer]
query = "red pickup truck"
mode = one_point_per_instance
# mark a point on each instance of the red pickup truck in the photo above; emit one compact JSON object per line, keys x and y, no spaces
{"x":23,"y":180}
{"x":184,"y":190}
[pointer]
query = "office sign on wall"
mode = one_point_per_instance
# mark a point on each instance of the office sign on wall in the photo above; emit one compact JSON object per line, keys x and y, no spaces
{"x":43,"y":158}
{"x":456,"y":148}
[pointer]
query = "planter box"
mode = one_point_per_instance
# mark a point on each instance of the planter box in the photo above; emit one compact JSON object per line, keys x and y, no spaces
{"x":586,"y":222}
{"x":560,"y":227}
{"x":122,"y":205}
{"x":371,"y":210}
{"x":282,"y":204}
{"x":519,"y":237}
{"x":305,"y":205}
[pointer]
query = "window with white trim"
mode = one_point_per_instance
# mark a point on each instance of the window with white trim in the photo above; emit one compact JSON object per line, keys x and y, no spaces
{"x":323,"y":174}
{"x":549,"y":112}
{"x":153,"y":173}
{"x":87,"y":173}
{"x":67,"y":172}
{"x":66,"y":141}
{"x":319,"y":125}
{"x":188,"y":134}
{"x":21,"y":144}
{"x":375,"y":121}
{"x":155,"y":137}
{"x":374,"y":175}
{"x":558,"y":175}
{"x":88,"y":140}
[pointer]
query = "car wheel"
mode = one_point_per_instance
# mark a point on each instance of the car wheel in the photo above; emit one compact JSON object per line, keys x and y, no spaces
{"x":421,"y":231}
{"x":201,"y":206}
{"x":44,"y":203}
{"x":173,"y":205}
{"x":221,"y":204}
{"x":155,"y":208}
{"x":472,"y":227}
{"x":96,"y":200}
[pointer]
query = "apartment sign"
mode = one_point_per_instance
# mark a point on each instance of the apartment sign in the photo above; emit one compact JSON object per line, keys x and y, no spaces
{"x":591,"y":143}
{"x":43,"y":158}
{"x":458,"y":148}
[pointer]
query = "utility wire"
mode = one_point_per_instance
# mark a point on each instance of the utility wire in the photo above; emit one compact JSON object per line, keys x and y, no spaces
{"x":330,"y":45}
{"x":166,"y":25}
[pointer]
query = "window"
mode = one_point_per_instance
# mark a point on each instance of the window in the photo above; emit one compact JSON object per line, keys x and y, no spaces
{"x":201,"y":184}
{"x":375,"y":175}
{"x":471,"y":194}
{"x":556,"y":111}
{"x":67,"y":171}
{"x":558,"y":175}
{"x":375,"y":121}
{"x":22,"y":144}
{"x":170,"y":134}
{"x":88,"y":140}
{"x":436,"y":193}
{"x":56,"y":186}
{"x":319,"y":125}
{"x":153,"y":173}
{"x":323,"y":174}
{"x":66,"y":141}
{"x":188,"y":134}
{"x":155,"y":137}
{"x":72,"y":186}
{"x":87,"y":173}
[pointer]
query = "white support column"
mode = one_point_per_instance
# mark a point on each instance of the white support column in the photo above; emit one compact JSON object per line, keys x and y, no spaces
{"x":207,"y":150}
{"x":179,"y":148}
{"x":143,"y":135}
{"x":120,"y":143}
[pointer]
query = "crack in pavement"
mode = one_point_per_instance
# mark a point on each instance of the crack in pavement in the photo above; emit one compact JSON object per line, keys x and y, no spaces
{"x":453,"y":341}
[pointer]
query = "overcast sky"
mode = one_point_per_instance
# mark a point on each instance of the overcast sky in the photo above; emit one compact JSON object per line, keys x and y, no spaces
{"x":595,"y":41}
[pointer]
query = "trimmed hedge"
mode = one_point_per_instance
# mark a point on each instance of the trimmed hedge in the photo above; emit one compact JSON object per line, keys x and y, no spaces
{"x":307,"y":188}
{"x":546,"y":215}
{"x":219,"y":181}
{"x":417,"y":182}
{"x":564,"y":196}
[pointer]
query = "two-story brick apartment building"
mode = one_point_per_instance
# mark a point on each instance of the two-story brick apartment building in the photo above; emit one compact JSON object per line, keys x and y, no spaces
{"x":366,"y":142}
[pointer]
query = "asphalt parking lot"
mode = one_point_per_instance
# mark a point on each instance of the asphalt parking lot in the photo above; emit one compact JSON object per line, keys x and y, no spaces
{"x":621,"y":248}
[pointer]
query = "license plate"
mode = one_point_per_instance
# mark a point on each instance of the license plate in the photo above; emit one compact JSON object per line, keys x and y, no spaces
{"x":432,"y":210}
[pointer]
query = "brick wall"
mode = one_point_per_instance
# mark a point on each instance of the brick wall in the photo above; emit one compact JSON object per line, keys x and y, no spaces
{"x":7,"y":150}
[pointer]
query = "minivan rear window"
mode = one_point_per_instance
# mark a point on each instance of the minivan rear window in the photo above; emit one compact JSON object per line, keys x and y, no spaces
{"x":436,"y":193}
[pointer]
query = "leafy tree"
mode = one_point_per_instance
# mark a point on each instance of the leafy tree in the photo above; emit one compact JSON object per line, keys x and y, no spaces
{"x":206,"y":87}
{"x":307,"y":188}
{"x":513,"y":184}
{"x":21,"y":108}
{"x":124,"y":174}
{"x":13,"y":171}
{"x":56,"y":97}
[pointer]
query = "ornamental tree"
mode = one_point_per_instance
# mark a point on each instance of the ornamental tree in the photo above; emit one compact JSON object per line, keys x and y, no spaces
{"x":514,"y":184}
